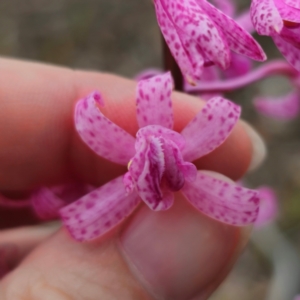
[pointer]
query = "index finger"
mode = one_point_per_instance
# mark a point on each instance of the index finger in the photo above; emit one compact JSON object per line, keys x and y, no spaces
{"x":38,"y":142}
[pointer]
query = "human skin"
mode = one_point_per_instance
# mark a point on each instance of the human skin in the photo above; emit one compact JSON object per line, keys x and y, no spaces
{"x":177,"y":254}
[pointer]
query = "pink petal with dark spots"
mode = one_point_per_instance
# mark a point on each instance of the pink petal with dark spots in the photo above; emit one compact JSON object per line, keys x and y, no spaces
{"x":137,"y":163}
{"x":268,"y":208}
{"x":177,"y":170}
{"x":128,"y":183}
{"x":222,"y":201}
{"x":238,"y":39}
{"x":159,"y":131}
{"x":289,"y":51}
{"x":291,"y":35}
{"x":265,"y":17}
{"x":195,"y":23}
{"x":103,"y":136}
{"x":148,"y":183}
{"x":98,"y":212}
{"x":284,"y":108}
{"x":173,"y":160}
{"x":210,"y":128}
{"x":153,"y":101}
{"x":288,"y":11}
{"x":293,"y":3}
{"x":171,"y":36}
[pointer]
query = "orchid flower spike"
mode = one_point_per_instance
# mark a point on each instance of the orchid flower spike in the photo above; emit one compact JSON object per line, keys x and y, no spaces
{"x":268,"y":209}
{"x":198,"y":34}
{"x":279,"y":19}
{"x":159,"y":162}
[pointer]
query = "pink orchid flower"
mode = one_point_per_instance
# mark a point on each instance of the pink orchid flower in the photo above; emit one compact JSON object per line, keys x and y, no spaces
{"x":198,"y":34}
{"x":279,"y":19}
{"x":159,"y":162}
{"x":268,"y":208}
{"x":240,"y":65}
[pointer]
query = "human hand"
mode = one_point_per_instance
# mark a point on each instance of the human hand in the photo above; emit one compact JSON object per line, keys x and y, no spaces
{"x":177,"y":254}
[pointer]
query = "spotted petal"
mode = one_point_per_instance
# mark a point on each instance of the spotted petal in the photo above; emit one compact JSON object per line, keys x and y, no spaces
{"x":223,"y":201}
{"x":291,"y":35}
{"x":265,"y":17}
{"x":293,"y":3}
{"x":210,"y":128}
{"x":98,"y":212}
{"x":238,"y":39}
{"x":192,"y":71}
{"x":194,"y":22}
{"x":284,"y":108}
{"x":176,"y":169}
{"x":148,"y":181}
{"x":288,"y":10}
{"x":153,"y":100}
{"x":289,"y":51}
{"x":100,"y":134}
{"x":159,"y":131}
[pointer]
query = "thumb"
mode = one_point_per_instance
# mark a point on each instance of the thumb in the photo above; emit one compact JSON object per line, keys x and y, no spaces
{"x":175,"y":254}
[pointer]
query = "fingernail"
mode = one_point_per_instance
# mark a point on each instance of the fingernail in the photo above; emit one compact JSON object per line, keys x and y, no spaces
{"x":259,"y":147}
{"x":179,"y":253}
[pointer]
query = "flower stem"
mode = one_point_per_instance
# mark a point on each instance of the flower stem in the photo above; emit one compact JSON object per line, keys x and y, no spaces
{"x":170,"y":64}
{"x":276,"y":67}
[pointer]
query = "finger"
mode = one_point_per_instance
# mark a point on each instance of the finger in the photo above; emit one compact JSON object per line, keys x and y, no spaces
{"x":38,"y":143}
{"x":15,"y":244}
{"x":176,"y":254}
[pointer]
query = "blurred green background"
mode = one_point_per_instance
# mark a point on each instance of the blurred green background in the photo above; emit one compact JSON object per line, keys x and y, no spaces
{"x":123,"y":37}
